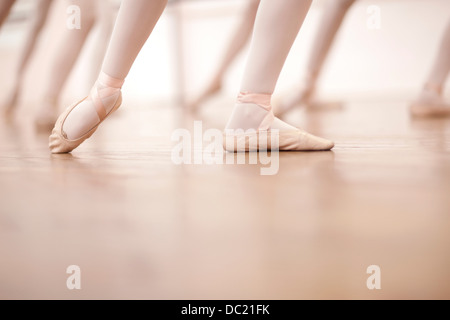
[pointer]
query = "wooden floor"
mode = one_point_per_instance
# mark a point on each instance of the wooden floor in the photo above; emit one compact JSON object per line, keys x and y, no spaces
{"x":140,"y":226}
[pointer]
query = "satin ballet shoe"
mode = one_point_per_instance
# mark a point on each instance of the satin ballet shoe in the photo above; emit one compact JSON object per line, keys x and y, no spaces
{"x":292,"y":140}
{"x":58,"y":140}
{"x":265,"y":138}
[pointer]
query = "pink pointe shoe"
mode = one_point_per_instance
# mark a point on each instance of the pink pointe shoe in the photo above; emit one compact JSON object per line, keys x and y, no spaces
{"x":266,"y":138}
{"x":58,"y":141}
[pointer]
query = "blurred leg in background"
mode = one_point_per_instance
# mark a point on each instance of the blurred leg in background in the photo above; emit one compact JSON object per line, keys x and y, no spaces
{"x":276,"y":27}
{"x":332,"y":18}
{"x":135,"y":22}
{"x":431,"y":101}
{"x":70,"y":45}
{"x":239,"y":40}
{"x":105,"y":16}
{"x":5,"y":8}
{"x":38,"y":21}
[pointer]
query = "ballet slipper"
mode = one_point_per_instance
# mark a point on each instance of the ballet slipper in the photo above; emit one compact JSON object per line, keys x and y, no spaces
{"x":430,"y":104}
{"x":264,"y":136}
{"x":295,"y":140}
{"x":420,"y":109}
{"x":58,"y":141}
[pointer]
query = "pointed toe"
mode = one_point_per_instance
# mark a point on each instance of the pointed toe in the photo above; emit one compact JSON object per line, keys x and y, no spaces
{"x":318,"y":143}
{"x":58,"y":141}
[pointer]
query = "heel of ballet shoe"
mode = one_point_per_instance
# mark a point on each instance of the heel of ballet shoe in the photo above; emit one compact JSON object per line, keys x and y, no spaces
{"x":294,"y":140}
{"x":58,"y":141}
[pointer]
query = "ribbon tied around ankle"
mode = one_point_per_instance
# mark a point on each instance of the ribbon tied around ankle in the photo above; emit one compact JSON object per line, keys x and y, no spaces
{"x":110,"y":86}
{"x":262,"y":100}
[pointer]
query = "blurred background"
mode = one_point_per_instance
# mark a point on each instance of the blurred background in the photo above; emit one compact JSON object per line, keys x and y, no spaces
{"x":189,"y":40}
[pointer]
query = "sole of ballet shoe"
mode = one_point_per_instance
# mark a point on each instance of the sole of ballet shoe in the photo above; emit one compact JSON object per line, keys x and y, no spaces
{"x":292,"y":140}
{"x":429,"y":111}
{"x":58,"y":142}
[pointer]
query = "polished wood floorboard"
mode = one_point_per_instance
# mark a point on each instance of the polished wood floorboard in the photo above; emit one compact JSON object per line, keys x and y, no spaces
{"x":140,"y":226}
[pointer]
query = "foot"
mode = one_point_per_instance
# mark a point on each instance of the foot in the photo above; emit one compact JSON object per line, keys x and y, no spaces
{"x":253,"y":114}
{"x":214,"y":87}
{"x":430,"y":104}
{"x":11,"y":104}
{"x":82,"y":119}
{"x":47,"y":114}
{"x":324,"y":105}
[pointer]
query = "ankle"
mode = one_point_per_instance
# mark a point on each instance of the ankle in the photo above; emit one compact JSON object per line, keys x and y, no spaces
{"x":105,"y":93}
{"x":108,"y":81}
{"x":252,"y":111}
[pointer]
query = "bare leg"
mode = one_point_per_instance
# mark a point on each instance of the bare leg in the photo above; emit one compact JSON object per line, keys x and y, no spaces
{"x":329,"y":25}
{"x":240,"y":38}
{"x":430,"y":101}
{"x":135,"y":22}
{"x":276,"y":27}
{"x":5,"y":8}
{"x":40,"y":16}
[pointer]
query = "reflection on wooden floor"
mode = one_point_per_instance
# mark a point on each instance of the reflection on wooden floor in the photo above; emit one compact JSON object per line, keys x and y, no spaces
{"x":140,"y":226}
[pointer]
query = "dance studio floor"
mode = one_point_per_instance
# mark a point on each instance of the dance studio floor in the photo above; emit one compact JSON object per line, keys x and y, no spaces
{"x":140,"y":226}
